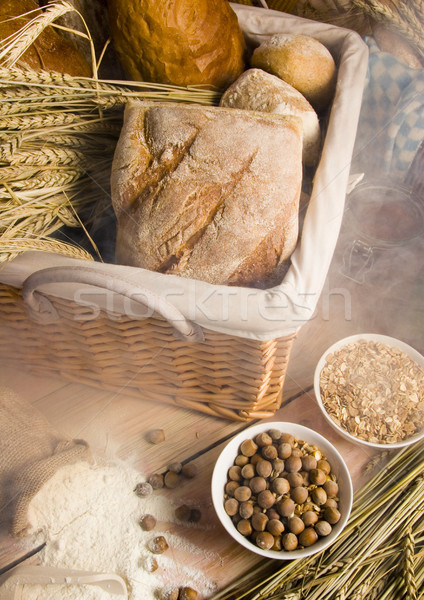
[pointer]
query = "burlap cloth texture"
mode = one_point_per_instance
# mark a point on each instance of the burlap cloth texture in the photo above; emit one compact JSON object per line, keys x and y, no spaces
{"x":31,"y":451}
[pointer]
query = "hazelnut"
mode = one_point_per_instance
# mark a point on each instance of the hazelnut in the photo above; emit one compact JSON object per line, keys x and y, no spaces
{"x":293,"y":464}
{"x":234,"y":473}
{"x":241,"y":460}
{"x":309,"y":517}
{"x":248,"y":447}
{"x":269,"y":452}
{"x":187,"y":593}
{"x":331,"y":488}
{"x":143,"y":489}
{"x":244,"y":527}
{"x":308,"y":537}
{"x":231,"y":506}
{"x":323,"y":528}
{"x":147,"y":522}
{"x":246,"y":510}
{"x":259,"y":521}
{"x":257,"y":484}
{"x":263,"y":468}
{"x":266,"y":499}
{"x":189,"y":470}
{"x":309,"y":462}
{"x":230,"y":487}
{"x":295,"y":525}
{"x":155,"y":436}
{"x":263,"y":439}
{"x":156,"y":481}
{"x":289,"y":541}
{"x":319,"y":496}
{"x":324,"y":465}
{"x":158,"y":545}
{"x":264,"y":540}
{"x":242,"y":493}
{"x":317,"y":476}
{"x":332,"y":515}
{"x":248,"y":471}
{"x":294,"y":479}
{"x":275,"y":527}
{"x":299,"y":494}
{"x":280,"y":485}
{"x":284,"y":450}
{"x":286,"y":507}
{"x":171,"y":479}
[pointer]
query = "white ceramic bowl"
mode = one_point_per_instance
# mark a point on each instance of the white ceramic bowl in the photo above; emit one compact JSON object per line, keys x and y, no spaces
{"x":339,"y":468}
{"x":389,"y":341}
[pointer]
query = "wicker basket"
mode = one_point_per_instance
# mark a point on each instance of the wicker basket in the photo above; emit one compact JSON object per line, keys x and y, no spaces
{"x":234,"y":372}
{"x":224,"y":376}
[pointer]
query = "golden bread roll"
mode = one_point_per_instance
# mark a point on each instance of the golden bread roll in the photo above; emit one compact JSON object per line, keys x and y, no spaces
{"x":50,"y":51}
{"x":303,"y":62}
{"x":180,"y":42}
{"x":258,"y":90}
{"x":207,"y":193}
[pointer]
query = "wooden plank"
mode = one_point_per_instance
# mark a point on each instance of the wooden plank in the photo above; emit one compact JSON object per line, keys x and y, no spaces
{"x":115,"y":425}
{"x":24,"y":382}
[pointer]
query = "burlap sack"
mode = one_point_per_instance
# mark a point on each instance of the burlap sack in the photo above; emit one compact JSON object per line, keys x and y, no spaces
{"x":31,"y":451}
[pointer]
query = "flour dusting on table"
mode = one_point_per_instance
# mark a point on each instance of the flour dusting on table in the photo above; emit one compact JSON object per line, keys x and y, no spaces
{"x":89,"y":515}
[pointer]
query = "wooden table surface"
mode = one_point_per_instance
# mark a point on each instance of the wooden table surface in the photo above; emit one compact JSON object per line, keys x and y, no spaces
{"x":115,"y":424}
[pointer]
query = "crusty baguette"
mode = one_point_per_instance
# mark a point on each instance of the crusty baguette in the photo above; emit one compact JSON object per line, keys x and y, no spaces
{"x":207,"y":193}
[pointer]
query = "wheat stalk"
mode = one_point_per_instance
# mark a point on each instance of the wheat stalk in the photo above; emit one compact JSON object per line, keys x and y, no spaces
{"x":366,"y":556}
{"x":15,"y":46}
{"x":37,"y":121}
{"x":57,"y":138}
{"x":411,"y":29}
{"x":9,"y":249}
{"x":409,"y":569}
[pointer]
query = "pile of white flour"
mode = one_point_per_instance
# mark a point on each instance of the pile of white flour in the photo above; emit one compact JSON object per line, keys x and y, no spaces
{"x":89,"y":516}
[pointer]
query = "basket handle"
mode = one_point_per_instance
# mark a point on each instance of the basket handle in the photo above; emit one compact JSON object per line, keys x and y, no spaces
{"x":42,"y":309}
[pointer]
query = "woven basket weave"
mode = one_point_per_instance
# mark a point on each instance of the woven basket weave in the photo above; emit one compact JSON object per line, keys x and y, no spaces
{"x":224,"y":376}
{"x":237,"y":372}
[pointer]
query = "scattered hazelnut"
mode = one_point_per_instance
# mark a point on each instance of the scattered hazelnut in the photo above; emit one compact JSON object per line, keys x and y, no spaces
{"x":183,"y":512}
{"x":156,"y":481}
{"x":171,"y":479}
{"x":175,"y":467}
{"x":168,"y":594}
{"x":158,"y":545}
{"x":189,"y":470}
{"x":143,"y":489}
{"x":147,"y":522}
{"x":187,"y":593}
{"x":155,"y":436}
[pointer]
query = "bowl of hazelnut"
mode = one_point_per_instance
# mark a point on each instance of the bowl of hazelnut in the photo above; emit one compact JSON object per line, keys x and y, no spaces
{"x":282,"y":490}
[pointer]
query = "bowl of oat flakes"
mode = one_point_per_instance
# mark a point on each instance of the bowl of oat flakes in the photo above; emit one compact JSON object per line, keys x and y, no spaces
{"x":370,"y":388}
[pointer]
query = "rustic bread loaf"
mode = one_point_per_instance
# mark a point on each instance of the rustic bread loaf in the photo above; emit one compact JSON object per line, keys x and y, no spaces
{"x":256,"y":89}
{"x":303,"y":62}
{"x":181,"y":42}
{"x":207,"y":193}
{"x":50,"y":51}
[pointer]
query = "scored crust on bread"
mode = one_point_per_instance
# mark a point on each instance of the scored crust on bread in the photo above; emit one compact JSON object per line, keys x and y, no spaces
{"x":258,"y":90}
{"x":207,"y":193}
